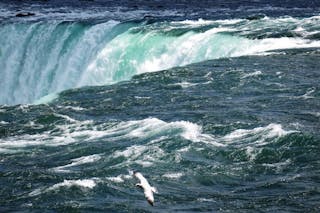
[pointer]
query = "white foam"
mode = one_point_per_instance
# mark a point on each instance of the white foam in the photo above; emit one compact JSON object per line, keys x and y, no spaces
{"x":177,"y":175}
{"x":142,"y":97}
{"x":258,"y":135}
{"x":299,"y":29}
{"x":229,"y":21}
{"x":252,"y":74}
{"x":144,"y":127}
{"x":279,"y":166}
{"x":252,"y":152}
{"x":75,"y":108}
{"x":206,"y":200}
{"x":84,"y":183}
{"x":202,"y":22}
{"x":68,"y":118}
{"x":155,"y":131}
{"x":269,"y":44}
{"x":184,"y":149}
{"x":86,"y":159}
{"x":191,"y":131}
{"x":117,"y":179}
{"x":132,"y":152}
{"x":145,"y":156}
{"x":198,"y":22}
{"x":78,"y":161}
{"x":61,"y":135}
{"x":309,"y":93}
{"x":271,"y":129}
{"x":185,"y":84}
{"x":145,"y":163}
{"x":151,"y":129}
{"x":276,"y":130}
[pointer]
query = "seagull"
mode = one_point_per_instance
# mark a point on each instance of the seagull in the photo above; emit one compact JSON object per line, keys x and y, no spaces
{"x":147,"y":189}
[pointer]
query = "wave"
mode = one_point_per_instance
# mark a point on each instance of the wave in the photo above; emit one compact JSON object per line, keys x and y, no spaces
{"x":52,"y":56}
{"x":77,"y":162}
{"x":148,"y":133}
{"x":177,"y":151}
{"x":150,"y":129}
{"x":82,"y":184}
{"x":151,"y":143}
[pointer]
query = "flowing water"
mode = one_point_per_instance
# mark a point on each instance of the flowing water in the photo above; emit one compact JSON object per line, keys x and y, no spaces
{"x":215,"y":103}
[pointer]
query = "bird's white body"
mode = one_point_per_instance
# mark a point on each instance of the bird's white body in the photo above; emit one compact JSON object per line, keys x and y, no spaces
{"x":144,"y":184}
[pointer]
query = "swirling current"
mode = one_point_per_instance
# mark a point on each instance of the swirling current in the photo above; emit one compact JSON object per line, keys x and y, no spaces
{"x":216,"y":104}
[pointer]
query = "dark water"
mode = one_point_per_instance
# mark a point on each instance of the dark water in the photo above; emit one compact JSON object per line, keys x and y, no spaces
{"x":229,"y":122}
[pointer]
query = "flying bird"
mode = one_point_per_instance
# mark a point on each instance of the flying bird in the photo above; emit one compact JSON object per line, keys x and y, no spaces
{"x":147,"y":189}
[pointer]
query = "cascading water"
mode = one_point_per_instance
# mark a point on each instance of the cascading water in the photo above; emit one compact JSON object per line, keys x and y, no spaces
{"x":44,"y":57}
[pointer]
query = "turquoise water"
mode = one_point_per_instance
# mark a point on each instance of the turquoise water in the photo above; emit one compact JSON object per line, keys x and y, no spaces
{"x":219,"y":114}
{"x":75,"y":54}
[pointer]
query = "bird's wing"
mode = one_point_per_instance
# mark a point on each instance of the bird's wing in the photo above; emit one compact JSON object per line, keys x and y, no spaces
{"x":149,"y":195}
{"x":142,"y":179}
{"x":154,"y":189}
